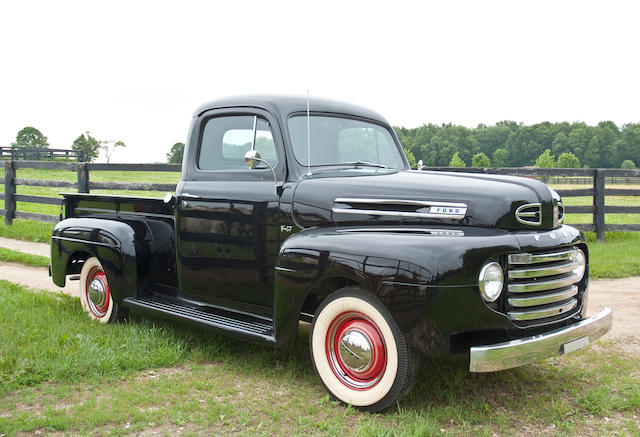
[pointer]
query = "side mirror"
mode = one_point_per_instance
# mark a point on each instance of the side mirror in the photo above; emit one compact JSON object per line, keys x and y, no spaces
{"x":252,"y":158}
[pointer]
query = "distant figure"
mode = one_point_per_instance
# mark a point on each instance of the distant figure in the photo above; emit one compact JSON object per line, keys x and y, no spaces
{"x":420,"y":165}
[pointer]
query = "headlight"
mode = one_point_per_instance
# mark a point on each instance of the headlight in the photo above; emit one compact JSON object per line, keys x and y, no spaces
{"x":581,"y":263}
{"x":490,"y":281}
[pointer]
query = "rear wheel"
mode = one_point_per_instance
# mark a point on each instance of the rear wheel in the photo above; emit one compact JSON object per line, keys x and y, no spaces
{"x":359,"y":352}
{"x":95,"y":295}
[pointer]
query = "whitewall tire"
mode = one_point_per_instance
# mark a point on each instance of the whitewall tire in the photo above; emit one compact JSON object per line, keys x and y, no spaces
{"x":95,"y":295}
{"x":359,"y":352}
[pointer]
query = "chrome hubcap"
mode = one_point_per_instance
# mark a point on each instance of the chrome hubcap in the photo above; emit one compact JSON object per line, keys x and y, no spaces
{"x":355,"y":350}
{"x":96,"y":292}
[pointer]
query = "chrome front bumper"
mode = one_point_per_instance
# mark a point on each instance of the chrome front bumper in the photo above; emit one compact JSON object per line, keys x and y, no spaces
{"x":527,"y":350}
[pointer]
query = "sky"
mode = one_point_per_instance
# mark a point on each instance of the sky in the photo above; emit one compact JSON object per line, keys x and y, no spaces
{"x":135,"y":71}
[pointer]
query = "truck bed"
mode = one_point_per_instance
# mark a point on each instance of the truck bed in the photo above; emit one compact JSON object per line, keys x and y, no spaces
{"x":106,"y":205}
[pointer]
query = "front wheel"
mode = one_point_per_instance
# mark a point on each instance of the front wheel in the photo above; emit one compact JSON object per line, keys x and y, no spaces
{"x":359,"y":352}
{"x":95,"y":295}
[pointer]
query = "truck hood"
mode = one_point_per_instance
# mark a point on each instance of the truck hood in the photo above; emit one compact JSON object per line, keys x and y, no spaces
{"x":369,"y":195}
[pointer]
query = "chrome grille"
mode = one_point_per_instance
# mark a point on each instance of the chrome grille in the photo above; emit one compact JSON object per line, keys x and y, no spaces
{"x":542,"y":285}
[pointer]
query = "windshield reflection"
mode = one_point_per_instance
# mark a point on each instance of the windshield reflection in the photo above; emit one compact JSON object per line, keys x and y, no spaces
{"x":343,"y":141}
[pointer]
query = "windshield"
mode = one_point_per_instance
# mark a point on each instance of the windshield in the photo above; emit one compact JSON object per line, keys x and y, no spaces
{"x":339,"y":140}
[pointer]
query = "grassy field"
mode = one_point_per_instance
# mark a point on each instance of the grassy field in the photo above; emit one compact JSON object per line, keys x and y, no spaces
{"x":23,"y":258}
{"x":609,"y":201}
{"x":61,"y":372}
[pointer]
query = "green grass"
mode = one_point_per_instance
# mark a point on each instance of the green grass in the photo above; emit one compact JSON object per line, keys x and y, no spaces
{"x":61,"y":372}
{"x":23,"y":258}
{"x":619,"y":257}
{"x":619,"y":219}
{"x":27,"y":230}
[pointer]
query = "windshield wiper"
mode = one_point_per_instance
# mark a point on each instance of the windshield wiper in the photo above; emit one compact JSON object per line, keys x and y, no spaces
{"x":364,"y":164}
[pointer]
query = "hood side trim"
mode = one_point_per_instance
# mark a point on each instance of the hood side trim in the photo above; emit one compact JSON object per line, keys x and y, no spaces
{"x":401,"y":208}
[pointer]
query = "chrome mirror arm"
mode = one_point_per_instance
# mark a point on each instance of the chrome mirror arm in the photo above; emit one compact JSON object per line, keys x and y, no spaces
{"x":252,"y":158}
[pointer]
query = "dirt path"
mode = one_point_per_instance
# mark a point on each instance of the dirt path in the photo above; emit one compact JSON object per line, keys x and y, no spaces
{"x":29,"y":247}
{"x":621,"y":295}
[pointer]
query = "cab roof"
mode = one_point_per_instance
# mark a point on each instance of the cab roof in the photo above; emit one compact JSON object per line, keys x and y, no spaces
{"x":282,"y":106}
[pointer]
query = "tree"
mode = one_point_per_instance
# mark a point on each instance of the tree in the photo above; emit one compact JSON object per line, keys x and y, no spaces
{"x":545,"y":160}
{"x":456,"y":161}
{"x":109,"y":147}
{"x":480,"y":160}
{"x":175,"y":154}
{"x":411,"y":158}
{"x":592,"y":156}
{"x":30,"y":137}
{"x":560,"y":144}
{"x":568,"y":160}
{"x":492,"y":138}
{"x":628,"y":164}
{"x":501,"y":158}
{"x":87,"y":144}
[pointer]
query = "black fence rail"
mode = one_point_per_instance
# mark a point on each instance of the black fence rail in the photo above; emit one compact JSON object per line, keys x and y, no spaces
{"x":81,"y":185}
{"x":609,"y":180}
{"x":26,"y":153}
{"x":598,"y":179}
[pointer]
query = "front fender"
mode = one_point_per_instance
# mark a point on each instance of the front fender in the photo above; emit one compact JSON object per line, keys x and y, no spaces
{"x":425,"y":277}
{"x":112,"y":242}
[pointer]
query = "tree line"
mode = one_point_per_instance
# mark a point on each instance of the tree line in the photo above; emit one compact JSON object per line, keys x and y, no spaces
{"x":505,"y":144}
{"x":512,"y":144}
{"x":31,"y":138}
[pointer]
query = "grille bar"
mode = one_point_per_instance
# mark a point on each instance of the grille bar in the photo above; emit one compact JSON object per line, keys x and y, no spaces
{"x":543,"y":271}
{"x":542,"y":299}
{"x":552,"y":284}
{"x":543,"y":312}
{"x":527,"y":258}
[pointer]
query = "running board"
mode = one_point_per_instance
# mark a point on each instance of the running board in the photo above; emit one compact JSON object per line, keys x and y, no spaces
{"x":246,"y":326}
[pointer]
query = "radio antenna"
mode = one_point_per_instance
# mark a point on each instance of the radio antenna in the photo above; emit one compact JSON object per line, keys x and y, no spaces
{"x":308,"y":139}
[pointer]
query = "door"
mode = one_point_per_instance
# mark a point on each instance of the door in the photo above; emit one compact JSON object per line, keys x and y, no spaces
{"x":228,"y":214}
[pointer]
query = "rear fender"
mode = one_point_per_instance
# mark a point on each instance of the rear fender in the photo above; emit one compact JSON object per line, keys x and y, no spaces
{"x":114,"y":243}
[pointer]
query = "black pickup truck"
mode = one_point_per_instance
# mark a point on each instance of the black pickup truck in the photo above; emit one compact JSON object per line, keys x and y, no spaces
{"x":294,"y":210}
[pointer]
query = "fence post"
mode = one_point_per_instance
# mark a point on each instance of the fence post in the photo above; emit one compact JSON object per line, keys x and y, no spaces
{"x":83,"y":178}
{"x":9,"y":192}
{"x":598,"y":203}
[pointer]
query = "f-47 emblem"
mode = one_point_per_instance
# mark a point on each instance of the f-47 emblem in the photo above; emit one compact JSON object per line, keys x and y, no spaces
{"x":284,"y":228}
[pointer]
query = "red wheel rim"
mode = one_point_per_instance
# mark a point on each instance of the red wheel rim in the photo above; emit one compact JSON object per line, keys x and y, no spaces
{"x":97,"y":293}
{"x":356,"y":350}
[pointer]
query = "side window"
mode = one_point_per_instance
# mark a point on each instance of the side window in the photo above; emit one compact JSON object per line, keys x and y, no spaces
{"x":226,"y":139}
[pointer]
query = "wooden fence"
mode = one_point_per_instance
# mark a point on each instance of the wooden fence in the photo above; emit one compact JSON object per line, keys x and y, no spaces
{"x":597,"y":191}
{"x":32,"y":153}
{"x":82,"y":184}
